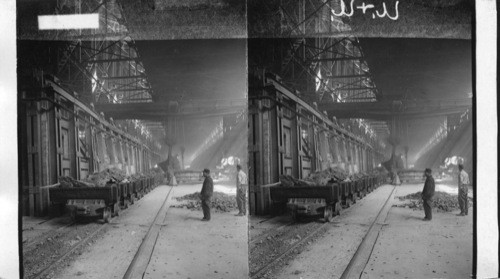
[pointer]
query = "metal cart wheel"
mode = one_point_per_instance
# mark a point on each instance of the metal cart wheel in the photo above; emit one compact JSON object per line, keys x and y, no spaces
{"x":346,"y":203}
{"x":353,"y":199}
{"x":106,"y":214}
{"x":328,"y":214}
{"x":125,"y":204}
{"x":116,"y":209}
{"x":338,"y":208}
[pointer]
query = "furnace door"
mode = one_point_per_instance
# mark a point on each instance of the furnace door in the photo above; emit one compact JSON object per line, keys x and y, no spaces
{"x":285,"y":150}
{"x":64,"y":146}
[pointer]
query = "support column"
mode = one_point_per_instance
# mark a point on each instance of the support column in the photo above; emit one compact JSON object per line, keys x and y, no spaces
{"x":121,"y":155}
{"x":357,"y":162}
{"x":345,"y":160}
{"x":338,"y":157}
{"x":113,"y":155}
{"x":132,"y":159}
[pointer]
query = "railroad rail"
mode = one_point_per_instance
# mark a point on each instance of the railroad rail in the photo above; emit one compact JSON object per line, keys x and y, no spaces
{"x":271,"y":264}
{"x":42,"y":272}
{"x":141,"y":259}
{"x":90,"y":230}
{"x":37,"y":239}
{"x":270,"y":232}
{"x":356,"y":264}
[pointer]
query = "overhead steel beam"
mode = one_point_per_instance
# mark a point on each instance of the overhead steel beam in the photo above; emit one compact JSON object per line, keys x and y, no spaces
{"x":337,"y":59}
{"x":130,"y":89}
{"x":160,"y":111}
{"x":162,"y":117}
{"x":355,"y":88}
{"x":348,"y":76}
{"x":113,"y":60}
{"x":125,"y":77}
{"x":386,"y":110}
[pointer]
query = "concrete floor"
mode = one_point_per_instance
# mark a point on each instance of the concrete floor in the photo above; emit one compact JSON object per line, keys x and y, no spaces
{"x":329,"y":256}
{"x":190,"y":248}
{"x":112,"y":253}
{"x":411,"y":248}
{"x":406,"y":247}
{"x":186,"y":247}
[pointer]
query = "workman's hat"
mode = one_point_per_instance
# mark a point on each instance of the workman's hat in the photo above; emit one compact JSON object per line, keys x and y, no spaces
{"x":206,"y":171}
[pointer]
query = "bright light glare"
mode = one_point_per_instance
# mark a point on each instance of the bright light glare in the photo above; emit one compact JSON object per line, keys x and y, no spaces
{"x":64,"y":22}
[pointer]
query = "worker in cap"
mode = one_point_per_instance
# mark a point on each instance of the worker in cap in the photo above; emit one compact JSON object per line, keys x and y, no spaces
{"x":241,"y":191}
{"x":463,"y":189}
{"x":427,"y":194}
{"x":207,"y":191}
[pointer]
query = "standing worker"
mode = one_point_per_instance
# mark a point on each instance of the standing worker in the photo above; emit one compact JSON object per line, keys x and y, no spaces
{"x":427,"y":194}
{"x":241,"y":191}
{"x":463,"y":189}
{"x":206,"y":194}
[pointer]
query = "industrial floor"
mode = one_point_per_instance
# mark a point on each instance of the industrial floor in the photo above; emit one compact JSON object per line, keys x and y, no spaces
{"x":406,"y":247}
{"x":186,"y":247}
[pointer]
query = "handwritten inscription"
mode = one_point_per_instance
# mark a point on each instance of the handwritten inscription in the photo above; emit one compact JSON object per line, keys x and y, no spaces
{"x":367,"y":8}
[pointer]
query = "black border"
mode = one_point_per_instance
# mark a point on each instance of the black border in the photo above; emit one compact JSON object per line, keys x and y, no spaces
{"x":474,"y":143}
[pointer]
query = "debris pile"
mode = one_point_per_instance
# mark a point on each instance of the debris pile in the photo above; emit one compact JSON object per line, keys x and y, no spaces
{"x":358,"y":175}
{"x":220,"y":202}
{"x":137,"y":176}
{"x":290,"y":181}
{"x":329,"y":175}
{"x":68,"y":182}
{"x":321,"y":178}
{"x":106,"y":177}
{"x":441,"y":201}
{"x":158,"y":176}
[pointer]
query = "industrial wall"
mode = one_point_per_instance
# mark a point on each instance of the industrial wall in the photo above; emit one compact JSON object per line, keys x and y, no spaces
{"x":232,"y":141}
{"x":458,"y":142}
{"x":289,"y":136}
{"x":59,"y":135}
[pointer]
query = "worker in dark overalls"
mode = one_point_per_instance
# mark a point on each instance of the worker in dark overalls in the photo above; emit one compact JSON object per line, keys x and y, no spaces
{"x":207,"y":191}
{"x":241,"y":191}
{"x":463,"y":190}
{"x":427,"y":193}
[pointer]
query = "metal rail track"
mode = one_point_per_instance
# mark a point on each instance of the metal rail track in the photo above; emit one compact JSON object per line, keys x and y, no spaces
{"x":360,"y":258}
{"x":352,"y":263}
{"x":36,"y":240}
{"x":141,"y":259}
{"x":45,"y":270}
{"x":274,"y":261}
{"x":270,"y":232}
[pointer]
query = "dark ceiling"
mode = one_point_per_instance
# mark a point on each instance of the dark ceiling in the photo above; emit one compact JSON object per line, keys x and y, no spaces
{"x":195,"y":69}
{"x":422,"y":69}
